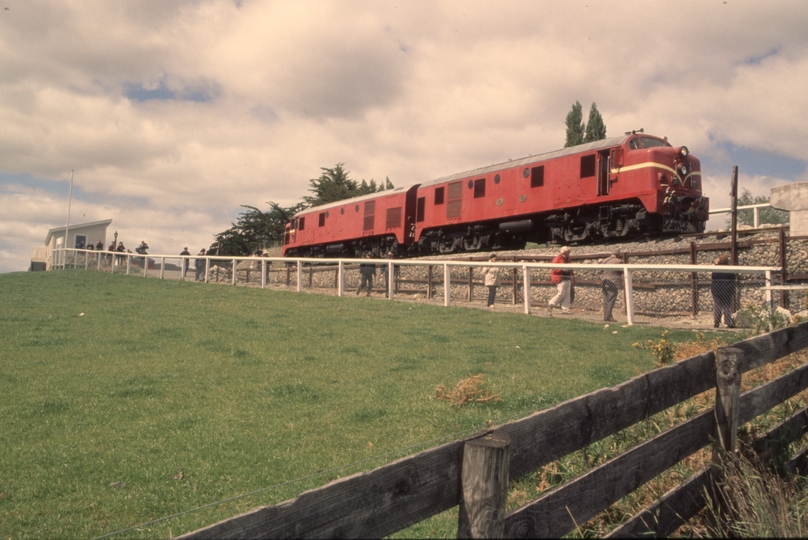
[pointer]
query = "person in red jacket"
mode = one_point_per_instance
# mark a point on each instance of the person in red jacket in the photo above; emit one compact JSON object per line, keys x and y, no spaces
{"x":563,"y":280}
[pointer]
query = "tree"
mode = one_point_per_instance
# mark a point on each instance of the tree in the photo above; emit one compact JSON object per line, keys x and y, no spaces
{"x":766,"y":215}
{"x":256,"y":229}
{"x":595,"y":128}
{"x":578,"y":132}
{"x":575,"y":126}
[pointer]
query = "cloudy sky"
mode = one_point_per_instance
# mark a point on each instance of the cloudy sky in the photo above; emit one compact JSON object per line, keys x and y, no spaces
{"x":172,"y":114}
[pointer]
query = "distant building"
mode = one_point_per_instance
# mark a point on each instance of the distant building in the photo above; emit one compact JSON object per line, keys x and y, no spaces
{"x":80,"y":234}
{"x":794,"y":198}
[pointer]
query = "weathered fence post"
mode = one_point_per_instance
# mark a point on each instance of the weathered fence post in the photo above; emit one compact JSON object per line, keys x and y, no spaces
{"x":484,"y":486}
{"x":526,"y":288}
{"x":471,"y":283}
{"x":783,"y":262}
{"x":728,"y":395}
{"x":694,"y":282}
{"x":429,"y":283}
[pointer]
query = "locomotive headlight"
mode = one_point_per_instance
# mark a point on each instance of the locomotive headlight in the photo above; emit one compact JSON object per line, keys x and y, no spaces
{"x":683,"y":170}
{"x":683,"y":151}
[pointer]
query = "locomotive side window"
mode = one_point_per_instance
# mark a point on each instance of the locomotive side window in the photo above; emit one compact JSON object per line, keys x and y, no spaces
{"x":321,"y":220}
{"x":438,"y":196}
{"x":455,"y":198}
{"x":479,"y":188}
{"x":370,"y":211}
{"x":420,"y":209}
{"x":301,"y":224}
{"x":393,"y":218}
{"x":537,"y":176}
{"x":588,"y":166}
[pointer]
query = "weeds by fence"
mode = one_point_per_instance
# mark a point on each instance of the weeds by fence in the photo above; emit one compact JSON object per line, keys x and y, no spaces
{"x":395,"y":496}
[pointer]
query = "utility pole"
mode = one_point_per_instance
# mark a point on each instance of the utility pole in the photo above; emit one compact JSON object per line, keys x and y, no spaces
{"x":734,"y":205}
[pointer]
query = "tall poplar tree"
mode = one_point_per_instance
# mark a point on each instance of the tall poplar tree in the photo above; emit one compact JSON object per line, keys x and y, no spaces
{"x":595,"y":128}
{"x":575,"y":126}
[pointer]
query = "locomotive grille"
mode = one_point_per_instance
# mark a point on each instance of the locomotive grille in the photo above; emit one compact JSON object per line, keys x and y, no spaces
{"x":393,"y":218}
{"x":455,"y":198}
{"x":370,"y":210}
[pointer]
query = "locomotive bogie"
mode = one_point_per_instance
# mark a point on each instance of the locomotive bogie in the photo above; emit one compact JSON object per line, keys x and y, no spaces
{"x":610,"y":189}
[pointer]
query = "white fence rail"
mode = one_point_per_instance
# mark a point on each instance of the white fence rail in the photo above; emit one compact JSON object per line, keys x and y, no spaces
{"x":647,"y":291}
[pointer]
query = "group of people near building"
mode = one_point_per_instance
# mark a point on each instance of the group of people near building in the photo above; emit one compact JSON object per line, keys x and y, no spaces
{"x":722,"y":286}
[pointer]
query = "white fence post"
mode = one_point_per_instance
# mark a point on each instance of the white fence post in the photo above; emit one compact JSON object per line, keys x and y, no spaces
{"x":390,"y":280}
{"x":162,"y":267}
{"x":627,"y":281}
{"x":299,"y":276}
{"x":235,"y":265}
{"x":447,"y":285}
{"x":341,"y":279}
{"x":526,"y":288}
{"x":769,"y":297}
{"x":207,"y":268}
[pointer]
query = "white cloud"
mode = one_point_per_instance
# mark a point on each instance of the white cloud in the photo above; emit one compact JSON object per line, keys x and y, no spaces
{"x":257,"y":96}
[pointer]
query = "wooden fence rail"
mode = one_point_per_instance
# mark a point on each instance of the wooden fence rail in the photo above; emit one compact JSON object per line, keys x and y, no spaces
{"x":392,"y":497}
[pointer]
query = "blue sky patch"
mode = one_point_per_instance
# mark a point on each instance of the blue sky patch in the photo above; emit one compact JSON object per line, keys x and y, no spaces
{"x":199,"y":94}
{"x":754,"y":163}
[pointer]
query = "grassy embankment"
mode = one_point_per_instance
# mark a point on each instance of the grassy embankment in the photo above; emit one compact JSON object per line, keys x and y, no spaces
{"x":124,"y":400}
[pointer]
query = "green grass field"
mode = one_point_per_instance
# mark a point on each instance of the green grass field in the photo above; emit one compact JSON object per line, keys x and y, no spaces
{"x":124,"y":400}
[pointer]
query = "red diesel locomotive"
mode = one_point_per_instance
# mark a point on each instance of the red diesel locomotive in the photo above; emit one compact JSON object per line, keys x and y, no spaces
{"x":634,"y":185}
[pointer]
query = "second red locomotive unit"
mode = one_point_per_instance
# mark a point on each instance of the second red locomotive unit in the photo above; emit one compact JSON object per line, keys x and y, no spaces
{"x":634,"y":185}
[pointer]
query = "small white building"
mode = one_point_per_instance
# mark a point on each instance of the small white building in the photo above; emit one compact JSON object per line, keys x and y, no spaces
{"x":80,"y":235}
{"x":794,"y":198}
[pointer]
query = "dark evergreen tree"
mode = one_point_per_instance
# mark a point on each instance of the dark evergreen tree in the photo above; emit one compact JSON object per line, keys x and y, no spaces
{"x":575,"y":126}
{"x":595,"y":128}
{"x":255,"y":230}
{"x":332,"y":185}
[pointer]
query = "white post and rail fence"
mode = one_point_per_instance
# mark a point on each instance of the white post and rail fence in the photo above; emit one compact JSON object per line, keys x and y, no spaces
{"x":528,"y":281}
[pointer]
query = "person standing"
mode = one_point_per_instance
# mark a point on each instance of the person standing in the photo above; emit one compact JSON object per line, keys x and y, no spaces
{"x":199,"y":266}
{"x":491,"y":276}
{"x":722,"y":288}
{"x":611,"y":284}
{"x":366,"y":271}
{"x":185,"y":262}
{"x":563,"y":280}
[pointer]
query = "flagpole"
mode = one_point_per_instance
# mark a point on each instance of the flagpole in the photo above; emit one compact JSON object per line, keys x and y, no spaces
{"x":67,"y":227}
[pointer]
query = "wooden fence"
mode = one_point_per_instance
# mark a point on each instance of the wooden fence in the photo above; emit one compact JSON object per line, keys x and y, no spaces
{"x":472,"y":472}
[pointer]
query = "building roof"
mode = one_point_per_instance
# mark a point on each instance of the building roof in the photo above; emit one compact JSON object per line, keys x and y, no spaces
{"x":55,"y":230}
